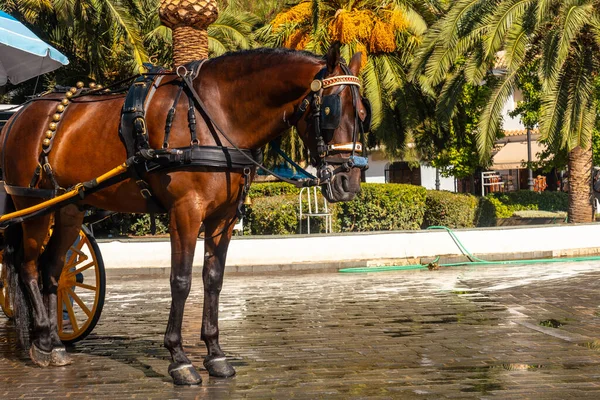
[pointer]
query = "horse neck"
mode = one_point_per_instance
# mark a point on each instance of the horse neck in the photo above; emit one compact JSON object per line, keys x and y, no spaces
{"x":257,"y":98}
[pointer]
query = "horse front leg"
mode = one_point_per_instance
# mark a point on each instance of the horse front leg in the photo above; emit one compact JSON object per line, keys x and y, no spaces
{"x":218,"y":235}
{"x":184,"y":227}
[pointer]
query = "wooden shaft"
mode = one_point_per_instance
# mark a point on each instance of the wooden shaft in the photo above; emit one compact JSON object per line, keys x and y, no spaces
{"x":58,"y":199}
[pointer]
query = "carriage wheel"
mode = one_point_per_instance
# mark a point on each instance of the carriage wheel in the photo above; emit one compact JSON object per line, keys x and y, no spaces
{"x":5,"y":303}
{"x":81,"y":289}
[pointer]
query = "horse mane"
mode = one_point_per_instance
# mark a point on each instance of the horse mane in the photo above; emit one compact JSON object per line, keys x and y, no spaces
{"x":271,"y":54}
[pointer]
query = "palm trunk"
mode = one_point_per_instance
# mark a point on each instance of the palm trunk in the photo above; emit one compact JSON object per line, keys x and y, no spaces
{"x":580,"y":182}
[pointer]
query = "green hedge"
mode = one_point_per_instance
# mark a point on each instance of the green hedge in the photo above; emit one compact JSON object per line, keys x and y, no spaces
{"x":274,"y":215}
{"x":379,"y":207}
{"x":450,"y":209}
{"x":507,"y":203}
{"x":383,"y":207}
{"x":272,"y":189}
{"x":122,"y":224}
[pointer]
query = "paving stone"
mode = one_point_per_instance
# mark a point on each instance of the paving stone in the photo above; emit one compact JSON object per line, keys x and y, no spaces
{"x":453,"y":333}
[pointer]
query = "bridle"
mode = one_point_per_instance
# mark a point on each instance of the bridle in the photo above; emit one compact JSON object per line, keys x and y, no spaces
{"x":322,"y":114}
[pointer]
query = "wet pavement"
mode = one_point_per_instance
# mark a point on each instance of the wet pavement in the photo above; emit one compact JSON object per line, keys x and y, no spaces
{"x":485,"y":332}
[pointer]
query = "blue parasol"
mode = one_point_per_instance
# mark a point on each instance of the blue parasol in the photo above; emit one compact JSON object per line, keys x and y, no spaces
{"x":22,"y":54}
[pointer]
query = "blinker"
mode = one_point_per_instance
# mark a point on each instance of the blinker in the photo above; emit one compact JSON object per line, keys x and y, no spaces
{"x":330,"y":115}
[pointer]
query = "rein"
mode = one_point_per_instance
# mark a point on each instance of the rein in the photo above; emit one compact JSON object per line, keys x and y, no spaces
{"x":186,"y":76}
{"x":317,"y":86}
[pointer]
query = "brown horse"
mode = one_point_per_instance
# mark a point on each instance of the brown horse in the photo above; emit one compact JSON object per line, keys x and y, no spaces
{"x":253,"y":97}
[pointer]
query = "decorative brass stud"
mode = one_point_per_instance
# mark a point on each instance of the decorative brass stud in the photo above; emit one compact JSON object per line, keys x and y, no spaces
{"x":46,"y":142}
{"x":60,"y":108}
{"x":65,"y":102}
{"x":68,"y":95}
{"x":316,"y":85}
{"x":49,"y":134}
{"x":79,"y":85}
{"x":73,"y":90}
{"x":56,"y":117}
{"x":92,"y":85}
{"x":98,"y":87}
{"x":52,"y":126}
{"x":327,"y":110}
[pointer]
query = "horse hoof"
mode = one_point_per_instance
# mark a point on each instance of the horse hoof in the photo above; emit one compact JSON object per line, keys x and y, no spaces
{"x":184,"y":374}
{"x":60,"y":357}
{"x":40,"y":357}
{"x":219,"y":367}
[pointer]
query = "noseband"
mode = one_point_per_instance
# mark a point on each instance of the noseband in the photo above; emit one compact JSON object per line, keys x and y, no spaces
{"x":324,"y":117}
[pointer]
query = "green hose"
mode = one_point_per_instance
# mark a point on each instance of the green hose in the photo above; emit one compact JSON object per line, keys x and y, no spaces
{"x":473,"y":260}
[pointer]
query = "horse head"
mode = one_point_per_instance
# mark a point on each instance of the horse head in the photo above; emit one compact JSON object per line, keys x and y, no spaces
{"x":336,"y":118}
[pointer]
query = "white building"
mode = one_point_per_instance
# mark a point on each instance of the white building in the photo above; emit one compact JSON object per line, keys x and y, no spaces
{"x":509,"y":159}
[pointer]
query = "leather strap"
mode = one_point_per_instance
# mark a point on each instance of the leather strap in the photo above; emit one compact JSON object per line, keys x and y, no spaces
{"x":29,"y":192}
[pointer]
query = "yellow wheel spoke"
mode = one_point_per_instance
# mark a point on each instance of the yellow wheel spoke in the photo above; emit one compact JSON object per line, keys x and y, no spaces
{"x":77,"y":257}
{"x":79,"y":270}
{"x":84,"y":286}
{"x":72,"y":317}
{"x":79,"y":302}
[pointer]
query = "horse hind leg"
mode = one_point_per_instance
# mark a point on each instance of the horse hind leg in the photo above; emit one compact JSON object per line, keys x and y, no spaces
{"x":12,"y":261}
{"x":184,"y":227}
{"x":67,"y":226}
{"x":34,"y":234}
{"x":218,"y":235}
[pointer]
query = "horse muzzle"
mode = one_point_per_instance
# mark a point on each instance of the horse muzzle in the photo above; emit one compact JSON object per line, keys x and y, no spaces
{"x":342,"y":186}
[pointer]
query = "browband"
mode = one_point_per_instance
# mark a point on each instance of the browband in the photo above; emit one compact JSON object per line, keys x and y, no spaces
{"x":341,"y":80}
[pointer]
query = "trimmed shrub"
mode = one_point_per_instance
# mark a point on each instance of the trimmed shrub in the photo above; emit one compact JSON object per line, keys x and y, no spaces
{"x":485,"y":214}
{"x":275,"y":215}
{"x":450,"y":209}
{"x":272,"y":189}
{"x":123,"y":224}
{"x":383,"y":207}
{"x":507,"y":203}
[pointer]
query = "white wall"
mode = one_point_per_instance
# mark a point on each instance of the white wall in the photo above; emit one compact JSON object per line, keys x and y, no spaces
{"x":558,"y":239}
{"x":376,"y":171}
{"x":428,"y":180}
{"x":509,"y":123}
{"x":378,"y":164}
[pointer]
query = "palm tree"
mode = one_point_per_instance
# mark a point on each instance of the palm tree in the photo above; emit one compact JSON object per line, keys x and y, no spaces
{"x":565,"y":34}
{"x":386,"y":32}
{"x":108,"y":40}
{"x":100,"y":37}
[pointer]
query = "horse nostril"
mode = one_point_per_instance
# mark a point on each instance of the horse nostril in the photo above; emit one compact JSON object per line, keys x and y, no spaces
{"x":345,"y":184}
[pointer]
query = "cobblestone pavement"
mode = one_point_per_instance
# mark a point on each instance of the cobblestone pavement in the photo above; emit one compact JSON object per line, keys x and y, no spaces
{"x":453,"y":333}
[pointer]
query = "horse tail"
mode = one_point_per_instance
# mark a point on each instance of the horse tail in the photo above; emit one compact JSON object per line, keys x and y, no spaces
{"x":13,"y":261}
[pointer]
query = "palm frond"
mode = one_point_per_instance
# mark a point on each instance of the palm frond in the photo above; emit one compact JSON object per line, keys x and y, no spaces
{"x":489,"y":123}
{"x":554,"y":107}
{"x":449,"y":98}
{"x":374,"y":91}
{"x":516,"y":44}
{"x":574,"y":16}
{"x":501,"y":21}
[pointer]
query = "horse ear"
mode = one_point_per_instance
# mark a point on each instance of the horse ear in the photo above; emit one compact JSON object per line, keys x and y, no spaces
{"x":355,"y":63}
{"x":333,"y":57}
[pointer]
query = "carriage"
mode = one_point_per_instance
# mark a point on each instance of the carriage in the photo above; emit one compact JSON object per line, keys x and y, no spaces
{"x":81,"y":289}
{"x":157,"y":152}
{"x":82,"y":286}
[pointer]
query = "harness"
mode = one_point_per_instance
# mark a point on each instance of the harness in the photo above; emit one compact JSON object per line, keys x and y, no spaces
{"x":325,"y":115}
{"x":322,"y":113}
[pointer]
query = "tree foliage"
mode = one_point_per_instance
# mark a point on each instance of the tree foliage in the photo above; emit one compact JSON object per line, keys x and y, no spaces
{"x":477,"y":36}
{"x":385,"y":32}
